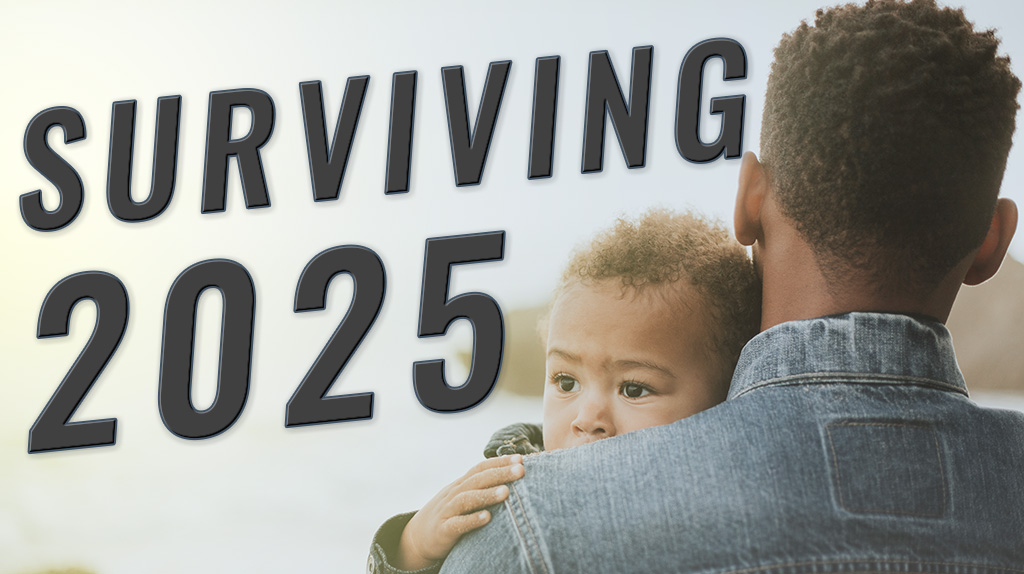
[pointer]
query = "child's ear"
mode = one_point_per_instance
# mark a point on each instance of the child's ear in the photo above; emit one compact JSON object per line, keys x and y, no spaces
{"x":1000,"y":232}
{"x":753,"y":186}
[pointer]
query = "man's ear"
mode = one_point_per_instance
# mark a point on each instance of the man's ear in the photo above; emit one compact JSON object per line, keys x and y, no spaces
{"x":993,"y":249}
{"x":753,"y":186}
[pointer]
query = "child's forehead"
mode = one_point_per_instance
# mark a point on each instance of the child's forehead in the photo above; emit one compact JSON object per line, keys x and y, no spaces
{"x":616,"y":326}
{"x":670,"y":308}
{"x":652,"y":320}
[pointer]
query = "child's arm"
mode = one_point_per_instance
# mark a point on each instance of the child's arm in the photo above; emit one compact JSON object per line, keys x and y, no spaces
{"x":457,"y":509}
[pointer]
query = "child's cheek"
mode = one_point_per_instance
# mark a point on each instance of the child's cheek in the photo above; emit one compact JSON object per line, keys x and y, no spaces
{"x":557,"y":421}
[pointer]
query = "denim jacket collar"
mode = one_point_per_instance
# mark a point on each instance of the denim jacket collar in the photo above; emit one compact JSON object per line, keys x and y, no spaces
{"x":864,"y":348}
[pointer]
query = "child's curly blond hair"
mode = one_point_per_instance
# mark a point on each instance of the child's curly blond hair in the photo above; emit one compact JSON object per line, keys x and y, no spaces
{"x":661,"y":248}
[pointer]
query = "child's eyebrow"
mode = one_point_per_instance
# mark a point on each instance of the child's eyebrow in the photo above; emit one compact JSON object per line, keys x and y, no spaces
{"x":632,"y":363}
{"x":621,"y":363}
{"x":564,"y":354}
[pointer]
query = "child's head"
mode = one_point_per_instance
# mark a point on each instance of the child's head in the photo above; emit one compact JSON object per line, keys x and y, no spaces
{"x":646,"y":327}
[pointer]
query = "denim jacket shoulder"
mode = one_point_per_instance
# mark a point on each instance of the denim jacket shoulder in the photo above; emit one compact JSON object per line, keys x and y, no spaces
{"x":848,"y":444}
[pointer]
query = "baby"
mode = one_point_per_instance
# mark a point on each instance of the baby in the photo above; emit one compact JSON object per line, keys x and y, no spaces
{"x":645,"y":329}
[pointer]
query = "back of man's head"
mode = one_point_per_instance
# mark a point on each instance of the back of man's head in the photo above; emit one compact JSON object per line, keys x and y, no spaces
{"x":885,"y":135}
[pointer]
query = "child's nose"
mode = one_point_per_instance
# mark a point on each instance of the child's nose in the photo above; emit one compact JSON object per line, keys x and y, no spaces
{"x":593,"y":419}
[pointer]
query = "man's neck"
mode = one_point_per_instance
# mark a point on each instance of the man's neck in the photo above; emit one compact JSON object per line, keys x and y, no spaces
{"x":796,"y":289}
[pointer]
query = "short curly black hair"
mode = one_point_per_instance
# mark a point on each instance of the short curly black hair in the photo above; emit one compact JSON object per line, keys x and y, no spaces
{"x":885,"y":134}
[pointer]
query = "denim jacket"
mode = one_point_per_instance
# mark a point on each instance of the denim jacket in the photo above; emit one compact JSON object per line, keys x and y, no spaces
{"x":847,"y":444}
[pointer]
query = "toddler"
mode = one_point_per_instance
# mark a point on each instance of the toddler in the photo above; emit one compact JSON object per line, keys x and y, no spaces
{"x":645,"y":329}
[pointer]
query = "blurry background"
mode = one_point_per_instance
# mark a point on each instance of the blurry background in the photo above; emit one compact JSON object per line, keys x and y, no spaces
{"x":259,"y":497}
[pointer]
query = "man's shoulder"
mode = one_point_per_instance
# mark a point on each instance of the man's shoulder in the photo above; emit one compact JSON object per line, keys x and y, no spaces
{"x":786,"y":469}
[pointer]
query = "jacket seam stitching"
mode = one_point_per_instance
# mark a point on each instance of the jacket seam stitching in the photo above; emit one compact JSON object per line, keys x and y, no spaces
{"x":522,"y":539}
{"x":825,"y":377}
{"x":839,"y":481}
{"x":873,"y":561}
{"x":533,"y":536}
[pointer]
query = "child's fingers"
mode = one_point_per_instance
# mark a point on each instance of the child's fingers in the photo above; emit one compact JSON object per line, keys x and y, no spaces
{"x":496,"y":462}
{"x":492,"y":477}
{"x":458,"y":525}
{"x":466,"y":502}
{"x":474,"y":483}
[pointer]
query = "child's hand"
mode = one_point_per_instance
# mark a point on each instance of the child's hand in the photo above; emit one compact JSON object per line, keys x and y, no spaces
{"x":434,"y":530}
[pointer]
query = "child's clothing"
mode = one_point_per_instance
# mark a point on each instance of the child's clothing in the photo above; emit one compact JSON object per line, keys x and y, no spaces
{"x":385,"y":545}
{"x":520,"y":438}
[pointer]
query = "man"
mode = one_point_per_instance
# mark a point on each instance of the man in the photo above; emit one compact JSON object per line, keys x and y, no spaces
{"x":848,"y":443}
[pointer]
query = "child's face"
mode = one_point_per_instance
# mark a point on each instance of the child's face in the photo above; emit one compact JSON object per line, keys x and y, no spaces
{"x":619,"y":361}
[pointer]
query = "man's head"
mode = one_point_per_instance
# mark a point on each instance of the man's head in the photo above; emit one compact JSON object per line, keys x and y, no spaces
{"x":884,"y":138}
{"x":646,"y":327}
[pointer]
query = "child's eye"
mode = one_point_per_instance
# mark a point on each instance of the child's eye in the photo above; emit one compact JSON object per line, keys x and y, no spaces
{"x":634,"y":390}
{"x":566,"y":384}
